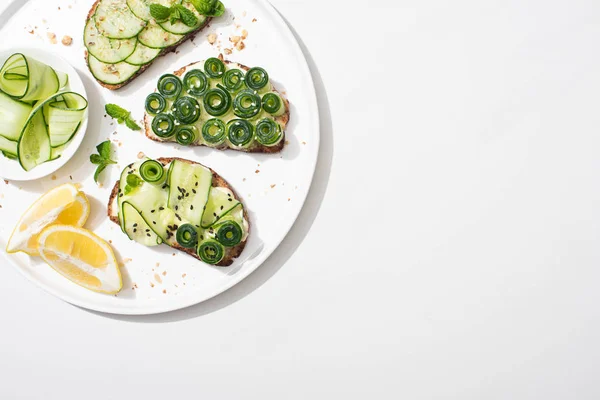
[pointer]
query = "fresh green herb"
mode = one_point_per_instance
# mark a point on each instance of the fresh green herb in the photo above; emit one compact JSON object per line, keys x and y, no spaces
{"x":159,"y":12}
{"x":173,"y":14}
{"x":133,"y":181}
{"x":122,"y":116}
{"x":209,"y":8}
{"x":187,"y":17}
{"x":102,"y":159}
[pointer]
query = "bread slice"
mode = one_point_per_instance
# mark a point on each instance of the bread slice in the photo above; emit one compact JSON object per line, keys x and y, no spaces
{"x":230,"y":252}
{"x":163,"y":52}
{"x":283,"y":119}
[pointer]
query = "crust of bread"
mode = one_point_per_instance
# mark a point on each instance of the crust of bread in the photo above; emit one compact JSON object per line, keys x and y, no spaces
{"x":163,"y":52}
{"x":283,"y":119}
{"x":231,"y":253}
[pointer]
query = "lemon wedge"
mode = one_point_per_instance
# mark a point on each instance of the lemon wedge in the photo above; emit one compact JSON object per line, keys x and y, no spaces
{"x":82,"y":257}
{"x":64,"y":204}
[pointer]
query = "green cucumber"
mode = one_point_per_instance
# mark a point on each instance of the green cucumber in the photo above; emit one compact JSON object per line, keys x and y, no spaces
{"x":104,"y":49}
{"x":115,"y":20}
{"x":151,"y":202}
{"x":189,"y":186}
{"x":142,"y":55}
{"x":57,"y":152}
{"x":111,"y":74}
{"x":156,"y":37}
{"x":137,"y":228}
{"x":179,"y":28}
{"x":64,"y":116}
{"x":141,"y":8}
{"x":8,"y":147}
{"x":221,"y":201}
{"x":26,"y":79}
{"x":13,"y":115}
{"x":34,"y":147}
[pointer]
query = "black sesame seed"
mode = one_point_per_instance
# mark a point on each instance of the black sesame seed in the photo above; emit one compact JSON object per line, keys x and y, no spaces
{"x":178,"y":217}
{"x":134,"y":230}
{"x":176,"y":208}
{"x":192,"y":207}
{"x":230,"y":199}
{"x":135,"y":225}
{"x":201,"y":237}
{"x":152,"y":211}
{"x":147,"y":230}
{"x":196,"y":184}
{"x":221,"y":207}
{"x":194,"y":191}
{"x":154,"y":222}
{"x":147,"y":234}
{"x":161,"y":208}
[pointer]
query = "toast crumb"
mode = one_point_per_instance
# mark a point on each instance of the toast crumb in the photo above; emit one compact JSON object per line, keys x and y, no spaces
{"x":52,"y":37}
{"x":257,"y":171}
{"x":272,"y":186}
{"x":157,"y":278}
{"x":141,"y":155}
{"x":67,"y":40}
{"x":228,"y":51}
{"x":240,"y":46}
{"x":212,"y":38}
{"x":244,"y":34}
{"x":254,"y":20}
{"x":53,"y":177}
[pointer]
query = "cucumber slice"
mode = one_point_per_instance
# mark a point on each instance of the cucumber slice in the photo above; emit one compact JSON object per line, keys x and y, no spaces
{"x":137,"y":228}
{"x":116,"y":21}
{"x":26,"y":79}
{"x":64,"y":116}
{"x":142,"y":55}
{"x":179,"y":27}
{"x":141,"y":8}
{"x":34,"y":148}
{"x":63,"y":79}
{"x":220,"y":202}
{"x":189,"y":185}
{"x":111,"y":74}
{"x":156,"y":37}
{"x":13,"y":115}
{"x":56,"y":152}
{"x":148,"y":199}
{"x":8,"y":147}
{"x":105,"y":49}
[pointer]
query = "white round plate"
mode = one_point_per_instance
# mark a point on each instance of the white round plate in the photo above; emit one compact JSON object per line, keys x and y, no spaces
{"x":11,"y":169}
{"x":273,"y":187}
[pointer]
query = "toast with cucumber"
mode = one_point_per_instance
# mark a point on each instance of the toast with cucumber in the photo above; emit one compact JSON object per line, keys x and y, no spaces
{"x":124,"y":37}
{"x":182,"y":204}
{"x":219,"y":104}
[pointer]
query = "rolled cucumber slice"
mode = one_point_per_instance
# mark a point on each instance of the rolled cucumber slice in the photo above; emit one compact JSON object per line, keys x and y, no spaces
{"x":13,"y":115}
{"x":8,"y":147}
{"x":34,"y":148}
{"x":26,"y":79}
{"x":221,"y":201}
{"x":141,"y":8}
{"x":179,"y":27}
{"x":156,"y":37}
{"x":111,"y":74}
{"x":63,"y":79}
{"x":63,"y":115}
{"x":189,"y":186}
{"x":115,"y":20}
{"x":137,"y":228}
{"x":105,"y":49}
{"x":142,"y":55}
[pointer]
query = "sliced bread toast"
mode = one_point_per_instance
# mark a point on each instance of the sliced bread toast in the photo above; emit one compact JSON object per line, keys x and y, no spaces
{"x":144,"y":67}
{"x":230,"y":253}
{"x":283,"y":119}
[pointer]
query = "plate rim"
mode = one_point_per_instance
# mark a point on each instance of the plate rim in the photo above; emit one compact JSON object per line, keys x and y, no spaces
{"x":190,"y":301}
{"x":81,"y":130}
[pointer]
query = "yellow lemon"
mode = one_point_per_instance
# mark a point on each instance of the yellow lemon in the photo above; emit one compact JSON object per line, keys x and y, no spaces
{"x":81,"y":256}
{"x":64,"y":204}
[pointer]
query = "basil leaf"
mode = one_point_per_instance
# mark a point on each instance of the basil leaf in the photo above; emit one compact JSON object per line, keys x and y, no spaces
{"x":159,"y":12}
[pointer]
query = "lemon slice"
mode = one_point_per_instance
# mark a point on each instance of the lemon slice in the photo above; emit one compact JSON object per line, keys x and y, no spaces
{"x":82,"y":257}
{"x":64,"y":204}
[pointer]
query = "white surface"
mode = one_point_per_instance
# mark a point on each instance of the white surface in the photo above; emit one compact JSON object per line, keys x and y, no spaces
{"x":11,"y":169}
{"x":484,"y":284}
{"x":272,"y":187}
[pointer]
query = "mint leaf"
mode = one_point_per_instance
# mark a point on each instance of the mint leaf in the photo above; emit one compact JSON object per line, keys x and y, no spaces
{"x":97,"y":159}
{"x":187,"y":17}
{"x":104,"y":150}
{"x":99,"y":170}
{"x":159,"y":12}
{"x":131,"y":124}
{"x":116,"y":112}
{"x":209,"y":8}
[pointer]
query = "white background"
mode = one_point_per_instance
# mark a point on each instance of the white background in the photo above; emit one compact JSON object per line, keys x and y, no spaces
{"x":448,"y":248}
